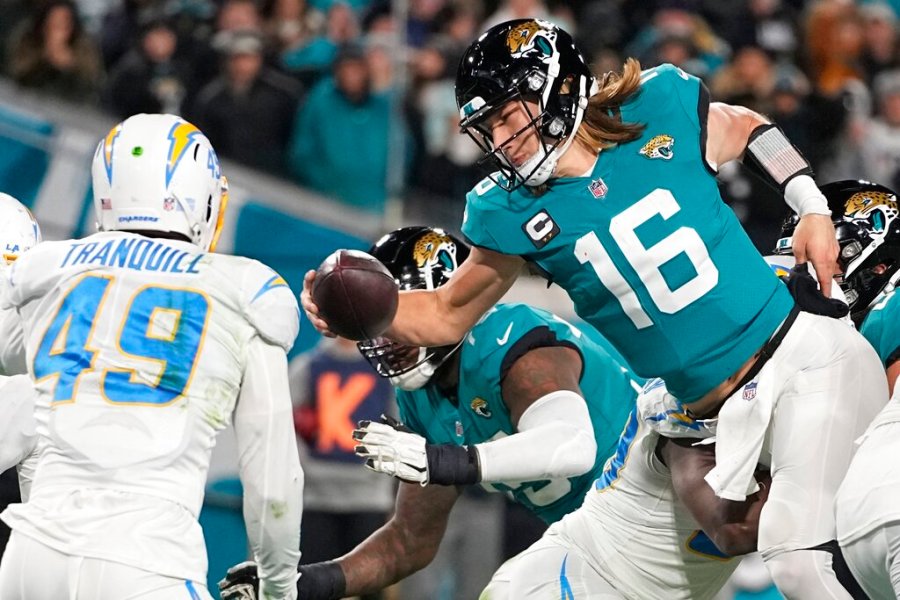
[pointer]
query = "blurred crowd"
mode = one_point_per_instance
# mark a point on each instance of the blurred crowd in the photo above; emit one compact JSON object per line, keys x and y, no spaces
{"x":354,"y":98}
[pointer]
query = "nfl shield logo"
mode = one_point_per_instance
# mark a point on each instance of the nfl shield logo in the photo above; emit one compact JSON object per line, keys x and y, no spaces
{"x":459,"y":429}
{"x":105,"y":204}
{"x":169,"y":204}
{"x":749,"y":391}
{"x":598,"y":188}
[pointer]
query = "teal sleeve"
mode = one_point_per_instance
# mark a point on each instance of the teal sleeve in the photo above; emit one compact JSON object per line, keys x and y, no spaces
{"x":882,"y":329}
{"x":506,"y":334}
{"x":671,"y":84}
{"x":485,"y":197}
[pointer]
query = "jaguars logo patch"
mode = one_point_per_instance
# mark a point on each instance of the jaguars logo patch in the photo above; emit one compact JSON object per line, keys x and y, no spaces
{"x":659,"y":147}
{"x":531,"y":38}
{"x":481,"y":408}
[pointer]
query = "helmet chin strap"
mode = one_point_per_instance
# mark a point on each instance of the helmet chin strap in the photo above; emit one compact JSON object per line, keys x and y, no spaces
{"x":544,"y":162}
{"x":416,"y":377}
{"x":421,"y":374}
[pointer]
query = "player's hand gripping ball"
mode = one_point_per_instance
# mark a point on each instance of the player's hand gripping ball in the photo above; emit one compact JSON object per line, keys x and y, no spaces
{"x":355,"y":294}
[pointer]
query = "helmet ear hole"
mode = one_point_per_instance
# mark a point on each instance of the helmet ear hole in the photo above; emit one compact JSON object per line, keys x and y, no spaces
{"x":209,"y":208}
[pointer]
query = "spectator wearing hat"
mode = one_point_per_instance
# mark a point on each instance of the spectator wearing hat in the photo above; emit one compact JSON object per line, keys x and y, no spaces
{"x":248,"y":110}
{"x":881,"y":42}
{"x":341,"y":108}
{"x":150,"y":78}
{"x":880,"y":142}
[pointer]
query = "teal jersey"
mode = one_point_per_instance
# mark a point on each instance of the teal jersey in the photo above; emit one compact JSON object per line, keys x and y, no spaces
{"x":646,"y":248}
{"x":506,"y":333}
{"x":882,"y":328}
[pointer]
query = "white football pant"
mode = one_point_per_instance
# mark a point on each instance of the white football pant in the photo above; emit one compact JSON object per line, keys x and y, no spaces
{"x":32,"y":571}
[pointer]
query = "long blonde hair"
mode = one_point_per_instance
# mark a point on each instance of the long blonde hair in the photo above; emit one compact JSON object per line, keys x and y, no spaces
{"x":602,"y":127}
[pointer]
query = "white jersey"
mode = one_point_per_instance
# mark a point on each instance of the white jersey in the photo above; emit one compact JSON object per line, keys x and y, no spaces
{"x":140,"y":349}
{"x":18,"y":438}
{"x":633,"y":530}
{"x":12,"y":350}
{"x":868,"y":495}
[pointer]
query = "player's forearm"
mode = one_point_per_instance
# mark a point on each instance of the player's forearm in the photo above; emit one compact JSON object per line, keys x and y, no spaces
{"x":737,"y":531}
{"x":443,"y":316}
{"x":273,"y":492}
{"x":417,"y":322}
{"x":270,"y":469}
{"x":385,"y":558}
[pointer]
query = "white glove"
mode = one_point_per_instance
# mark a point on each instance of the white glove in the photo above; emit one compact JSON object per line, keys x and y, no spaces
{"x":393,"y":449}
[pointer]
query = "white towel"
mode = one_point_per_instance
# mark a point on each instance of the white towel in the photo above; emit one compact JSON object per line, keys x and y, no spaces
{"x":741,"y":431}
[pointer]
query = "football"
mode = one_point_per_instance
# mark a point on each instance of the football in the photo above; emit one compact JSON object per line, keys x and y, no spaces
{"x":356,"y":294}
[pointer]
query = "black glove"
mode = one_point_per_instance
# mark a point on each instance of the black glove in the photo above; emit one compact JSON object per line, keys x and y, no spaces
{"x":241,"y":582}
{"x":318,"y":581}
{"x":805,"y":290}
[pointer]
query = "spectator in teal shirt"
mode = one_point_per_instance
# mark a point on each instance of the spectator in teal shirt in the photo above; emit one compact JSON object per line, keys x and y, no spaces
{"x":339,"y":146}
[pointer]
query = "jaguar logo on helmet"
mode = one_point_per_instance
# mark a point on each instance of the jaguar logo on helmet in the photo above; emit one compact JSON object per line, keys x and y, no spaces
{"x":862,"y":204}
{"x":435,"y":249}
{"x":532,"y":38}
{"x":658,"y":147}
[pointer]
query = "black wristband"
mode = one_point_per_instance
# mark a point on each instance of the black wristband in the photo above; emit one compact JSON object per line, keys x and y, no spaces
{"x":321,"y":581}
{"x":449,"y":464}
{"x":758,"y":169}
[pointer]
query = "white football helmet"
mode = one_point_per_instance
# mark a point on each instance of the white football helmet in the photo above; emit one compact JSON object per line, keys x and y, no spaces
{"x":19,"y":230}
{"x":157,"y":172}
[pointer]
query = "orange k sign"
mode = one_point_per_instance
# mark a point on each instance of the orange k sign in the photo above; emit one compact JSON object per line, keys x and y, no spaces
{"x":336,"y":404}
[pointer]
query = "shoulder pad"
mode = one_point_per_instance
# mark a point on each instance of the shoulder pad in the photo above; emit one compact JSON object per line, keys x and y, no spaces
{"x":669,"y":86}
{"x":665,"y":75}
{"x":781,"y":265}
{"x":271,"y":306}
{"x":498,"y":332}
{"x":32,"y":273}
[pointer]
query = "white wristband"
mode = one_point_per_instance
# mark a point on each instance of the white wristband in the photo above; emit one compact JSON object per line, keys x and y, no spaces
{"x":803,"y":196}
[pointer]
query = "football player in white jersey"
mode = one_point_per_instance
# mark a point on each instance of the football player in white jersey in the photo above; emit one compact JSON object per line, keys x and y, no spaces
{"x":143,"y":344}
{"x":19,"y":231}
{"x":866,"y":506}
{"x":650,"y":528}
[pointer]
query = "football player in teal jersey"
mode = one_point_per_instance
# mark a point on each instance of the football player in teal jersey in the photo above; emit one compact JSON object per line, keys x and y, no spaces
{"x":524,"y":404}
{"x":868,"y":232}
{"x":608,"y":186}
